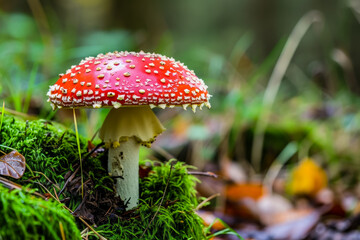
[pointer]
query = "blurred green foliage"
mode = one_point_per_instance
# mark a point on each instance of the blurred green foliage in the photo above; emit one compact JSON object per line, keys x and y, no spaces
{"x":24,"y":216}
{"x":233,"y":45}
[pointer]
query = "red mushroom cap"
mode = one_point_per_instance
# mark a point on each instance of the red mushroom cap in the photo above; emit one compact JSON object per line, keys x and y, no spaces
{"x":128,"y":79}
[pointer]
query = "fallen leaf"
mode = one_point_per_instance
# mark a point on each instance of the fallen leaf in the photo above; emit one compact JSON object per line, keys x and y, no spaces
{"x":144,"y":171}
{"x":90,"y":146}
{"x":254,"y":191}
{"x":210,"y":219}
{"x":12,"y":165}
{"x":297,"y":225}
{"x":272,"y":209}
{"x":307,"y":178}
{"x":94,"y":150}
{"x":345,"y":229}
{"x":233,"y":171}
{"x":241,"y":200}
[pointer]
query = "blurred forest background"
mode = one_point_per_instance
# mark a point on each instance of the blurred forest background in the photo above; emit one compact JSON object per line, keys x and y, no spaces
{"x":284,"y":77}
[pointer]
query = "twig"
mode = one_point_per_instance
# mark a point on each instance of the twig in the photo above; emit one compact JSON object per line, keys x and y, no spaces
{"x":88,"y":225}
{"x":108,"y":211}
{"x":20,"y":114}
{"x":206,"y":174}
{"x":206,"y":200}
{"x":47,"y":179}
{"x":68,"y":180}
{"x":57,"y":197}
{"x":161,"y":201}
{"x":84,"y":233}
{"x":81,"y":204}
{"x":11,"y":185}
{"x":93,"y":150}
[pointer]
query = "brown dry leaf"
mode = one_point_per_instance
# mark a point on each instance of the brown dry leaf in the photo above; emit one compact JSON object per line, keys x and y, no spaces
{"x":233,"y":171}
{"x":295,"y":225}
{"x":90,"y":146}
{"x":144,"y":171}
{"x":272,"y":208}
{"x":12,"y":165}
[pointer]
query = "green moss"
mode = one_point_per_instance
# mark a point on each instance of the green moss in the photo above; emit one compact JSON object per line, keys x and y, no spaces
{"x":51,"y":149}
{"x":24,"y":216}
{"x":47,"y":147}
{"x":176,"y":218}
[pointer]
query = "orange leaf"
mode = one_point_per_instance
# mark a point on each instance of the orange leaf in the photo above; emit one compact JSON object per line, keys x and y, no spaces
{"x":241,"y":199}
{"x":254,"y":191}
{"x":307,"y":178}
{"x":12,"y":165}
{"x":181,"y":126}
{"x":209,"y":218}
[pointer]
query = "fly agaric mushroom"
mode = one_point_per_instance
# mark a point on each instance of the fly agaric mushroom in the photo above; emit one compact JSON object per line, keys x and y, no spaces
{"x":132,"y":83}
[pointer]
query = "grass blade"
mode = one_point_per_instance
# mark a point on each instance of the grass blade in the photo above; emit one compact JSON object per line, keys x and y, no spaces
{"x":79,"y":150}
{"x":30,"y":88}
{"x":2,"y":114}
{"x":227,"y":231}
{"x":275,"y":80}
{"x":285,"y":155}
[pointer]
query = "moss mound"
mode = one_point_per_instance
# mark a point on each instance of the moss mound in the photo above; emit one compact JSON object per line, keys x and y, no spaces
{"x":51,"y":154}
{"x":47,"y":147}
{"x":175,"y":219}
{"x":50,"y":150}
{"x":24,"y":216}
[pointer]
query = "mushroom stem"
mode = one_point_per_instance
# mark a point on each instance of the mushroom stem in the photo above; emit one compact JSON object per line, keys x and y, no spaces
{"x":123,"y":131}
{"x":123,"y":165}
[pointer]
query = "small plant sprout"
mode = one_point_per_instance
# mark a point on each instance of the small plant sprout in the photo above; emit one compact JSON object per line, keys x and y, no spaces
{"x":132,"y":84}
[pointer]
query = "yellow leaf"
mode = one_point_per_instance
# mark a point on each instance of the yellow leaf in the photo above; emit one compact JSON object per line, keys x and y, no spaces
{"x":307,"y":178}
